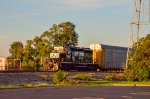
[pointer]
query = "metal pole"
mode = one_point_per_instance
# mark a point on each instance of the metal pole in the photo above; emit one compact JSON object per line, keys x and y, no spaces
{"x":138,"y":20}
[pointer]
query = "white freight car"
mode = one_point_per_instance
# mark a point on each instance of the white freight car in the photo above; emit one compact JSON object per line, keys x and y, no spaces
{"x":2,"y":63}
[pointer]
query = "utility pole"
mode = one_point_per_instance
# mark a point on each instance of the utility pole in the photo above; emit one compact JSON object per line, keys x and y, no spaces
{"x":139,"y":24}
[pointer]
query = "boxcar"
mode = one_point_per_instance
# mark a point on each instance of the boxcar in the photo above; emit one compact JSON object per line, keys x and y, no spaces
{"x":107,"y":56}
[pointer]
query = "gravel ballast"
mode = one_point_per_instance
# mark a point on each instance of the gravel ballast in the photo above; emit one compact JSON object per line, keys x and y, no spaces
{"x":19,"y":79}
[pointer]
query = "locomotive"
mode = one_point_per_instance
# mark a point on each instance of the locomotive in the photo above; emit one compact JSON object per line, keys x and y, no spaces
{"x":97,"y":57}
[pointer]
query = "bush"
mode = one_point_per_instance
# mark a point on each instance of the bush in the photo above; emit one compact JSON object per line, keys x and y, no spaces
{"x":143,"y":75}
{"x":129,"y":75}
{"x":59,"y":76}
{"x":81,"y":77}
{"x":118,"y":76}
{"x":108,"y":77}
{"x":137,"y":75}
{"x":139,"y":66}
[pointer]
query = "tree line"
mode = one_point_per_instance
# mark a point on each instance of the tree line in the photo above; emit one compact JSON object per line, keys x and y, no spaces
{"x":30,"y":54}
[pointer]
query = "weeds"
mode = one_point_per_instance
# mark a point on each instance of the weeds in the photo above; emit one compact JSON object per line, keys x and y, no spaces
{"x":108,"y":77}
{"x":60,"y":78}
{"x":81,"y":77}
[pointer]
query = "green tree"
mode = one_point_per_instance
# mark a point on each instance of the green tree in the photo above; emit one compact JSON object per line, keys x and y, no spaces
{"x":16,"y":53}
{"x":64,"y":34}
{"x":46,"y":38}
{"x":42,"y":46}
{"x":28,"y":54}
{"x":139,"y":67}
{"x":16,"y":50}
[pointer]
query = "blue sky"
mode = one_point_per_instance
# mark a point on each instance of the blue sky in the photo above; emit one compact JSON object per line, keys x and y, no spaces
{"x":97,"y":21}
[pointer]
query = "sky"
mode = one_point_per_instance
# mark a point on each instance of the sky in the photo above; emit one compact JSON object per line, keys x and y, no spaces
{"x":97,"y":21}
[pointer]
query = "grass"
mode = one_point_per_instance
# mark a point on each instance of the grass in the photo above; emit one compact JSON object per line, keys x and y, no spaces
{"x":114,"y":83}
{"x":81,"y":77}
{"x":41,"y":85}
{"x":34,"y":85}
{"x":85,"y":83}
{"x":8,"y":87}
{"x":24,"y":86}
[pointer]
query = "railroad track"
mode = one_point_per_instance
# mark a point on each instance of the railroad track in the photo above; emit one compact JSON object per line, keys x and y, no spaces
{"x":71,"y":71}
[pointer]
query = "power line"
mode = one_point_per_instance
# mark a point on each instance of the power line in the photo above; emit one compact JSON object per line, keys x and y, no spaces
{"x":139,"y":20}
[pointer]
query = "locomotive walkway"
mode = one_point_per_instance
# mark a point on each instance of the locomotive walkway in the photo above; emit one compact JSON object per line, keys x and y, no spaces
{"x":77,"y":93}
